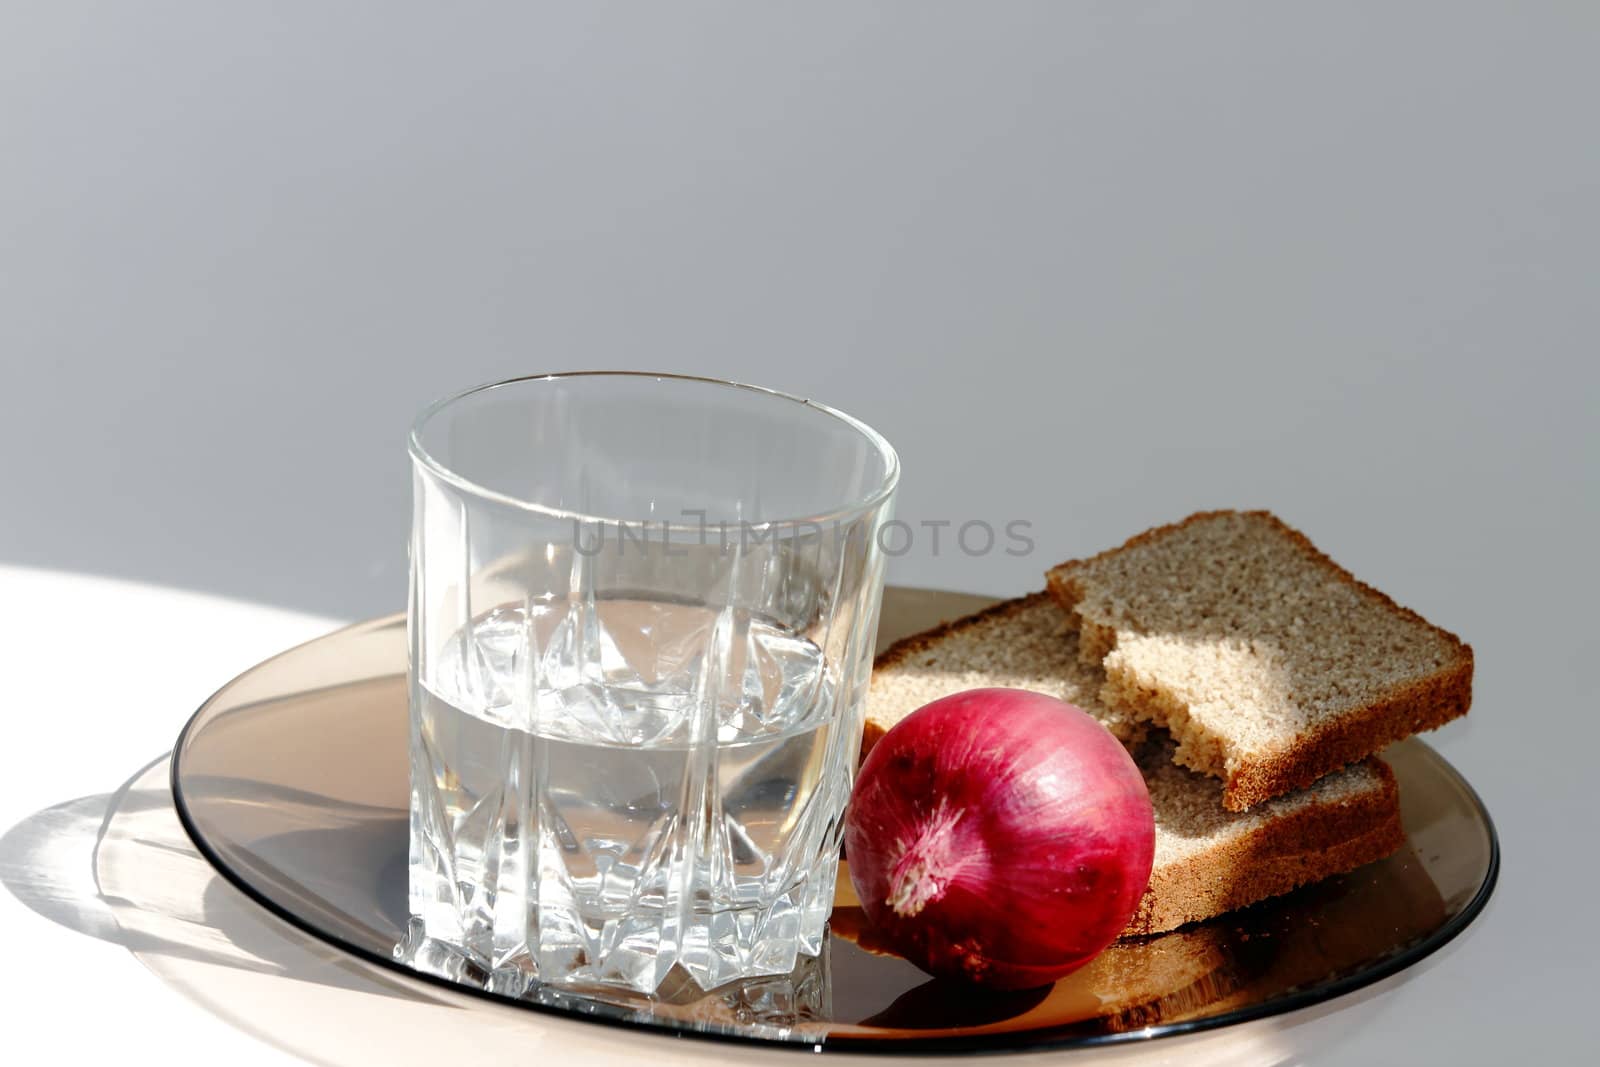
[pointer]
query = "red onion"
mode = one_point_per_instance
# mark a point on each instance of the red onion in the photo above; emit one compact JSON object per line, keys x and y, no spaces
{"x":999,"y":836}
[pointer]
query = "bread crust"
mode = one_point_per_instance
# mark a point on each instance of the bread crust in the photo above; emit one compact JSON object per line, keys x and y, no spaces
{"x":1424,"y":704}
{"x":1277,"y":857}
{"x":921,"y":642}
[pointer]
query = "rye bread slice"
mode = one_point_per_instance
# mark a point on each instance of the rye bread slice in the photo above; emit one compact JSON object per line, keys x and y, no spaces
{"x":1207,"y":860}
{"x":1270,"y":664}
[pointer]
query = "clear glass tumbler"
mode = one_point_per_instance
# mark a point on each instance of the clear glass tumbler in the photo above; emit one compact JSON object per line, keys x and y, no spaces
{"x":642,"y":619}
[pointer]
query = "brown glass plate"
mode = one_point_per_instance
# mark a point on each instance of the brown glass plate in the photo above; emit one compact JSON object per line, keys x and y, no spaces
{"x":292,"y":781}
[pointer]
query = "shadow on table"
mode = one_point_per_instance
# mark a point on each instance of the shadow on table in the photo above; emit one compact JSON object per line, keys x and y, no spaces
{"x":118,"y":867}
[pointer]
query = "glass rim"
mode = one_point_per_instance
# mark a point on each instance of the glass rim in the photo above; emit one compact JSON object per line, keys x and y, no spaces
{"x":861,"y":505}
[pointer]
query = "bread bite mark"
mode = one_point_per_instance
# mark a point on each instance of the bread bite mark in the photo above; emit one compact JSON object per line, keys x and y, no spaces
{"x":1270,"y":664}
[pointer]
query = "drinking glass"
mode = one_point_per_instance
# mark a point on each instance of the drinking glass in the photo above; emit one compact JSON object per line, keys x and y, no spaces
{"x":642,"y":618}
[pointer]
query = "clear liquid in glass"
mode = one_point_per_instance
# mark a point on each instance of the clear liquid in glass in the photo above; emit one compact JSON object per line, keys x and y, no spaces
{"x":606,"y":790}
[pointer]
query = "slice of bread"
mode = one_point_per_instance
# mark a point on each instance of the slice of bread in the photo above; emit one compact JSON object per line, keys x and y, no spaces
{"x":1210,"y":860}
{"x":1269,"y":664}
{"x":1207,"y":860}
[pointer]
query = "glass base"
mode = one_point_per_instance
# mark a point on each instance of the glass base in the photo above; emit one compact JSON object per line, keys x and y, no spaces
{"x":778,"y":1006}
{"x":643,"y":951}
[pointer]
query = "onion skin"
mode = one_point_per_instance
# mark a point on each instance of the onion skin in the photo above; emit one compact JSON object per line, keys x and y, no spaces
{"x":1001,"y":837}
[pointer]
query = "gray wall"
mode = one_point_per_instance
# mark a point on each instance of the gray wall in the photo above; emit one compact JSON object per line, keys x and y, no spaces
{"x":1086,"y":265}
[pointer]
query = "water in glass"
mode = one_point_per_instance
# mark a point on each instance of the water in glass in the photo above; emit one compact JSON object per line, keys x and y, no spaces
{"x":605,"y":790}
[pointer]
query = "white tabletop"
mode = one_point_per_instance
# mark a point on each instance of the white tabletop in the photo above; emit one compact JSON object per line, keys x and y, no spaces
{"x":80,"y":729}
{"x":102,"y":676}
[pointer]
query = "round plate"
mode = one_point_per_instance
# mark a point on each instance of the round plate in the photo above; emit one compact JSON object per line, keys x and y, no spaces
{"x":292,"y":781}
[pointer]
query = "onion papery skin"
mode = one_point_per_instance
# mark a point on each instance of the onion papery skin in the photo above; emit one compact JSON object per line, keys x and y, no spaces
{"x":1000,"y":836}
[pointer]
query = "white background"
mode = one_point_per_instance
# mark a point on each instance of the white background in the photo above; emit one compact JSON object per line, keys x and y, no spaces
{"x":1093,"y":266}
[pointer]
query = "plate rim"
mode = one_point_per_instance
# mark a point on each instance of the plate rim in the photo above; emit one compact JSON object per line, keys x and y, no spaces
{"x":996,"y":1043}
